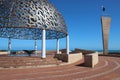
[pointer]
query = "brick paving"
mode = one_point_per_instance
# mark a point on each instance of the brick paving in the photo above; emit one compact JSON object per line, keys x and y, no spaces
{"x":107,"y":69}
{"x":35,"y":61}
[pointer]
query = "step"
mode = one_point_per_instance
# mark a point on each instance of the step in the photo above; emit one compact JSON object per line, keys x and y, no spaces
{"x":7,"y":62}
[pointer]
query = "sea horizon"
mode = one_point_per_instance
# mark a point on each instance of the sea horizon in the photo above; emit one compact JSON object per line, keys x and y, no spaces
{"x":99,"y":50}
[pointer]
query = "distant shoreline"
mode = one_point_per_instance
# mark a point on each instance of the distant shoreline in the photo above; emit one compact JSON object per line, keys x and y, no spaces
{"x":54,"y":50}
{"x":108,"y":50}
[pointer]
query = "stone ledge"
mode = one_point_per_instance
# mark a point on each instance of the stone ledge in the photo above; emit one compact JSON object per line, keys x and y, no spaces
{"x":91,"y":59}
{"x":3,"y":53}
{"x":71,"y":58}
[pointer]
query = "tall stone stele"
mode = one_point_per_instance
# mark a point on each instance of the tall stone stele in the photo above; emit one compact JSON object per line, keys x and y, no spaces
{"x":105,"y":20}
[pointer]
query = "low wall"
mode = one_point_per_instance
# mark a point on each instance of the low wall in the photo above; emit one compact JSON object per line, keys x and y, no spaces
{"x":74,"y":57}
{"x":3,"y":53}
{"x":71,"y":58}
{"x":91,"y":59}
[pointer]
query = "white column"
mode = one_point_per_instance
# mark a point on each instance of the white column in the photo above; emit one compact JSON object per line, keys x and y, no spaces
{"x":67,"y":44}
{"x":9,"y":45}
{"x":43,"y":44}
{"x":57,"y":46}
{"x":36,"y":47}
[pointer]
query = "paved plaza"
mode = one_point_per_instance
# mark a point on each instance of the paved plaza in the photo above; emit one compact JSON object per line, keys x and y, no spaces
{"x":107,"y":69}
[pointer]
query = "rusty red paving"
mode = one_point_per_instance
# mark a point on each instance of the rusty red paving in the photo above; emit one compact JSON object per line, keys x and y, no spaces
{"x":107,"y":69}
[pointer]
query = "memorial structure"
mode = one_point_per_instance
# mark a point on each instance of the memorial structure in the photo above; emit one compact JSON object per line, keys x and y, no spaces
{"x":105,"y":21}
{"x":32,"y":20}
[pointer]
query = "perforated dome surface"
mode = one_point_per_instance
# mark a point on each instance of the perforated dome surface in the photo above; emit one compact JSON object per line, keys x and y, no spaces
{"x":25,"y":19}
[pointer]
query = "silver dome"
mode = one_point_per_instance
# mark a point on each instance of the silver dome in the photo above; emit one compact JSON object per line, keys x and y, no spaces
{"x":25,"y":19}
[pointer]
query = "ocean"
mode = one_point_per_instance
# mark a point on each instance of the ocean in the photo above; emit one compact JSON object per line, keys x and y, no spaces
{"x":108,"y":50}
{"x":73,"y":50}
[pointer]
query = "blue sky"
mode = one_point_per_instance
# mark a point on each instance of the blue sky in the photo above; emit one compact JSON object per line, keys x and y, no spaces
{"x":83,"y":21}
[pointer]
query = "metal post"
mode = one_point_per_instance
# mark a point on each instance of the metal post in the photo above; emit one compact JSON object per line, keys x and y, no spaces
{"x":57,"y":46}
{"x":36,"y":47}
{"x":67,"y":44}
{"x":43,"y":44}
{"x":9,"y":46}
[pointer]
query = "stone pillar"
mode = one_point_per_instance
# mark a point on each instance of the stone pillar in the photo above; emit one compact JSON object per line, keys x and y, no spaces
{"x":9,"y":45}
{"x":105,"y":32}
{"x":43,"y":43}
{"x":67,"y":44}
{"x":36,"y":47}
{"x":57,"y":46}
